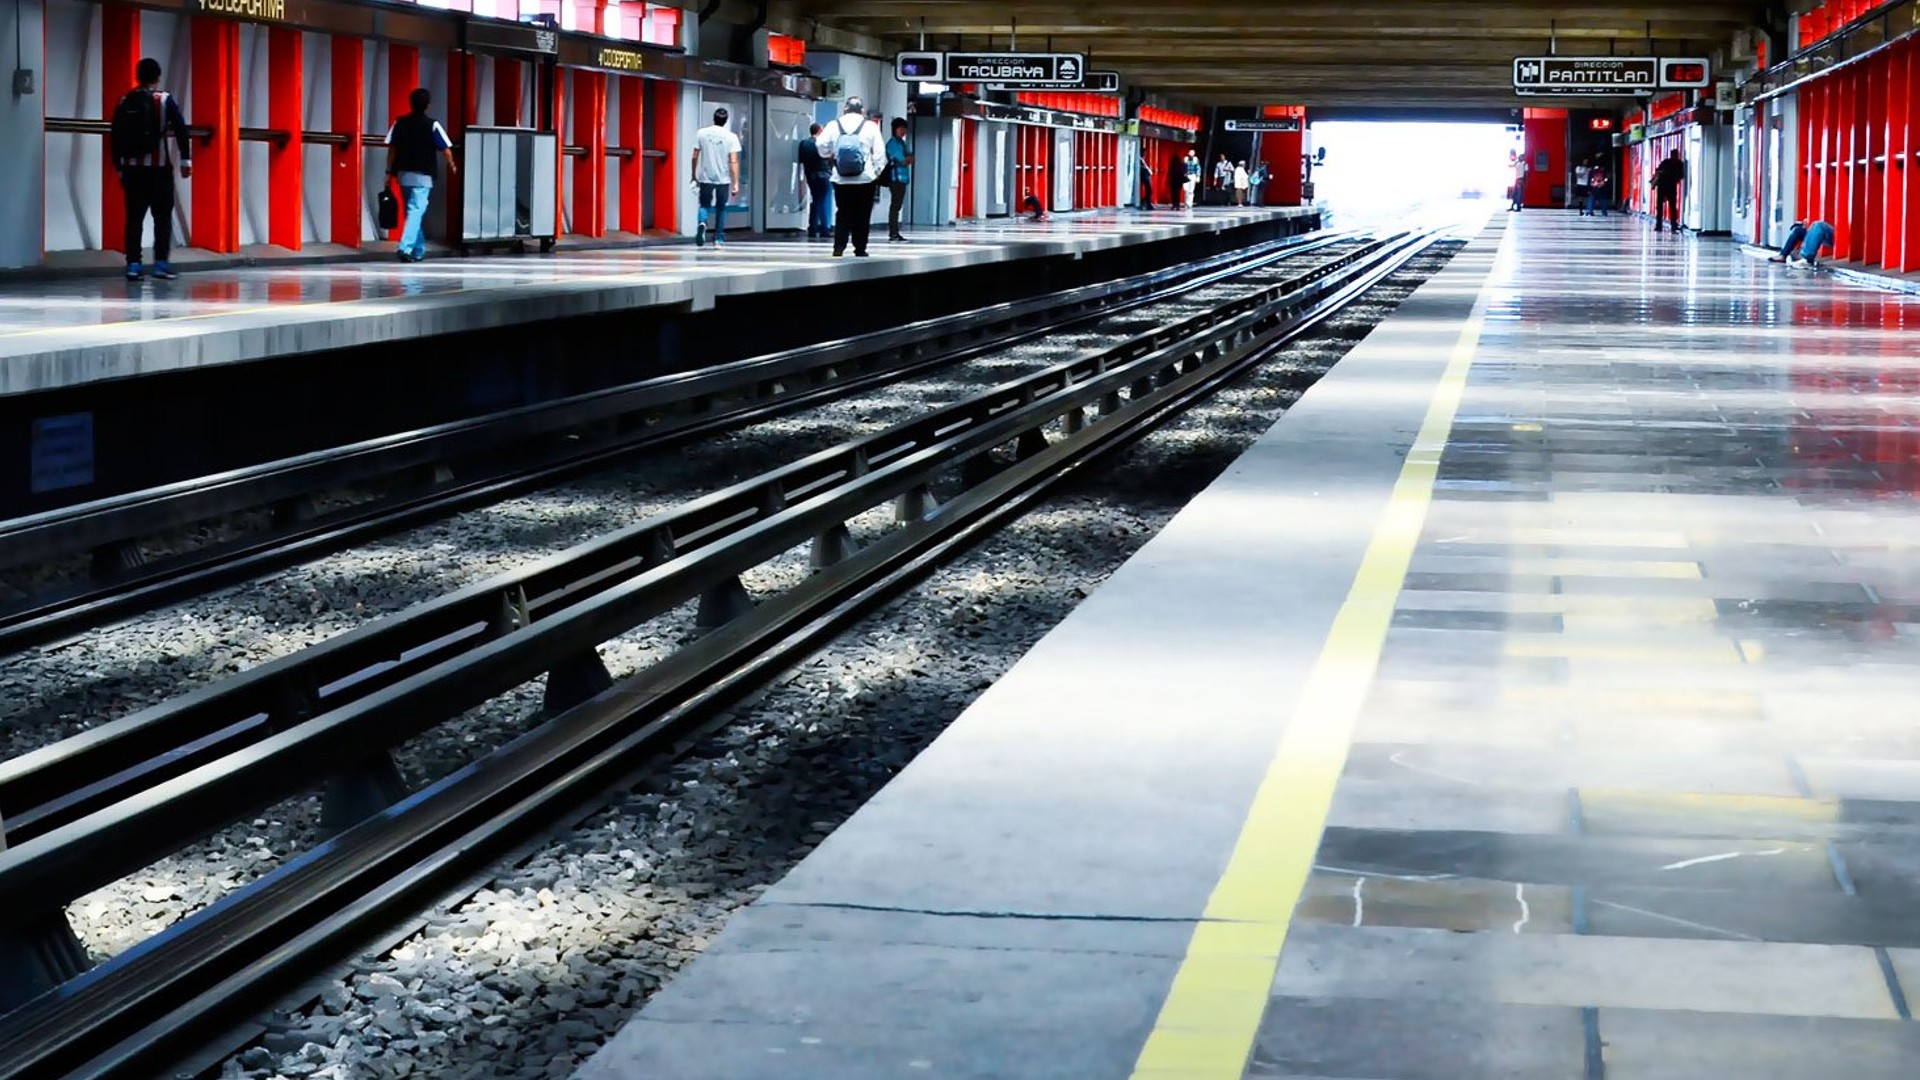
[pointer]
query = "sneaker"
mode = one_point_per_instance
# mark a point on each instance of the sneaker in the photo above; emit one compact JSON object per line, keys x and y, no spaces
{"x":133,"y":271}
{"x":700,"y":235}
{"x":1777,"y":259}
{"x":1799,"y":263}
{"x":896,"y":239}
{"x":859,"y":254}
{"x":839,"y":254}
{"x":163,"y":272}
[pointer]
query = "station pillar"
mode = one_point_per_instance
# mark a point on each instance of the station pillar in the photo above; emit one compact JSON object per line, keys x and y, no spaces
{"x":403,"y":75}
{"x":1282,"y":152}
{"x":216,"y":105}
{"x":119,"y":53}
{"x":286,"y":157}
{"x":349,"y":122}
{"x":633,"y":118}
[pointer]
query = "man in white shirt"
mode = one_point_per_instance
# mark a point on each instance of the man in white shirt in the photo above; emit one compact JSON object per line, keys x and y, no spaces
{"x":716,"y":170}
{"x":857,"y":152}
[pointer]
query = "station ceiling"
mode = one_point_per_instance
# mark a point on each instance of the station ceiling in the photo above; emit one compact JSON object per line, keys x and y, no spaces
{"x":1320,"y":52}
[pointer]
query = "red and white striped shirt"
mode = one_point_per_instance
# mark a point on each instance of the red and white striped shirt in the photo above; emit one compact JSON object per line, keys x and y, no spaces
{"x":174,"y":146}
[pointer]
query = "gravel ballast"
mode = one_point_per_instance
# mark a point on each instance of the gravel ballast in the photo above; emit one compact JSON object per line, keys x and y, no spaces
{"x":528,"y":976}
{"x":65,"y":688}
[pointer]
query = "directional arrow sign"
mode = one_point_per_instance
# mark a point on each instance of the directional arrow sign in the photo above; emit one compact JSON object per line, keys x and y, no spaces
{"x":1025,"y":70}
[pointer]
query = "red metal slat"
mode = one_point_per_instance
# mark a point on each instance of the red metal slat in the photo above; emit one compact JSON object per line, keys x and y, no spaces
{"x":506,"y":92}
{"x":349,"y":159}
{"x":590,"y":172}
{"x":403,"y":76}
{"x":1873,"y":189}
{"x":1892,"y":190}
{"x":119,"y":53}
{"x":216,"y":164}
{"x":663,"y":113}
{"x":1910,"y":179}
{"x":633,"y":113}
{"x":285,"y":160}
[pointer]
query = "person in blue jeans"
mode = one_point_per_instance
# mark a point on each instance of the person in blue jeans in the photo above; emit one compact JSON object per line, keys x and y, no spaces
{"x":414,"y":144}
{"x":1598,"y":191}
{"x":899,"y":174}
{"x":1809,"y":239}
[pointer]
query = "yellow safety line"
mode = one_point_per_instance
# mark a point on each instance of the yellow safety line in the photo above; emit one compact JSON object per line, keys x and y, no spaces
{"x":1211,"y":1016}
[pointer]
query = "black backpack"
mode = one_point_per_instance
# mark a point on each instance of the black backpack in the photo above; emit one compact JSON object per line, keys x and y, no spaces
{"x":137,"y":125}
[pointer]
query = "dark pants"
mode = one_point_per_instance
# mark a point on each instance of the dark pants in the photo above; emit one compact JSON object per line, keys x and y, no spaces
{"x":820,"y":213}
{"x":148,"y":190}
{"x":1666,"y":207}
{"x":852,"y":216}
{"x":713,"y":200}
{"x":898,"y":192}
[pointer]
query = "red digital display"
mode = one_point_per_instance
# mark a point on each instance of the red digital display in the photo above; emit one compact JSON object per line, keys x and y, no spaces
{"x":1600,"y":123}
{"x":1684,"y":74}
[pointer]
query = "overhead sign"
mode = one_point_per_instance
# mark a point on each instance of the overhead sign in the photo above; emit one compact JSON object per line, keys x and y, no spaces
{"x":1584,"y":75}
{"x":1097,"y":82}
{"x":920,"y":67}
{"x":1066,"y":71}
{"x":1271,"y":123}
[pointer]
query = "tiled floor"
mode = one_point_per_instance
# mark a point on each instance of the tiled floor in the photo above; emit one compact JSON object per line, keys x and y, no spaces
{"x":1636,"y":792}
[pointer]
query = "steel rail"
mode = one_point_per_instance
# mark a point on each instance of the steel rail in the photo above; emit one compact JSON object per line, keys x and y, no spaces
{"x":643,"y":415}
{"x":46,"y":788}
{"x":146,"y":1007}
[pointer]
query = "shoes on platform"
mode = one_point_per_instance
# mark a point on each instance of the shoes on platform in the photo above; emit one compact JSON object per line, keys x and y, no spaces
{"x":164,"y":272}
{"x":700,"y":235}
{"x":133,"y":271}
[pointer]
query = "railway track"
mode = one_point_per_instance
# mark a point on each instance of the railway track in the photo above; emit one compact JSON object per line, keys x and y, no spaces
{"x":438,"y":471}
{"x":90,"y":809}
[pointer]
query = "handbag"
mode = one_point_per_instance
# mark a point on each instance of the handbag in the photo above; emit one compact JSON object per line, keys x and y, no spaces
{"x":388,"y":209}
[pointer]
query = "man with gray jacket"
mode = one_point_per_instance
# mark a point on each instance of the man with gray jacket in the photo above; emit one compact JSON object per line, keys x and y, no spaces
{"x":857,"y":152}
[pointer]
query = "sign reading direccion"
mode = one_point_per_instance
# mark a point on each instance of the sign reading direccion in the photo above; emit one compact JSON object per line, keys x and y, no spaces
{"x":1583,"y":75}
{"x":1056,"y":70}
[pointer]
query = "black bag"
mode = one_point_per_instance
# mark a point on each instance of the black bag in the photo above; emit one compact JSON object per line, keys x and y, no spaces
{"x":137,"y":126}
{"x":389,"y":209}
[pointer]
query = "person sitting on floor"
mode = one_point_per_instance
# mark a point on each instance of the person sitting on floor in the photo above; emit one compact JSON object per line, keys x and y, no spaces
{"x":1031,"y":204}
{"x":1809,"y":239}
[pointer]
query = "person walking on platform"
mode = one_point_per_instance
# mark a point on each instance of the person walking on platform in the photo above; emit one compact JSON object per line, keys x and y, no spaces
{"x":1599,"y":195}
{"x":1146,"y":183}
{"x":149,"y":137}
{"x":899,"y":175}
{"x":814,"y":166}
{"x":1242,"y":183}
{"x":1223,"y":179}
{"x":858,"y":152}
{"x":716,"y":172}
{"x":1193,"y":177}
{"x":1667,"y":179}
{"x":413,"y":143}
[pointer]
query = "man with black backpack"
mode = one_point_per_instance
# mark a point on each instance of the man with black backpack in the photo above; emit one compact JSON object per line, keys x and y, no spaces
{"x":415,"y":145}
{"x":858,"y":152}
{"x":149,"y":136}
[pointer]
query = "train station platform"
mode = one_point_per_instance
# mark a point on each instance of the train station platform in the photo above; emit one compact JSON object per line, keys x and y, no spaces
{"x":1533,"y":700}
{"x":58,"y":335}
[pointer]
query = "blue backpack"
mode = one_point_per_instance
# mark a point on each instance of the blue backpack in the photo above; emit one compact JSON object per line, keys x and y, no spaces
{"x":850,"y":150}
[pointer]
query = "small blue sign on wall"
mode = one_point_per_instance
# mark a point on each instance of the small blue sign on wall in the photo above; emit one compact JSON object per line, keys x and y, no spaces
{"x":62,"y":452}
